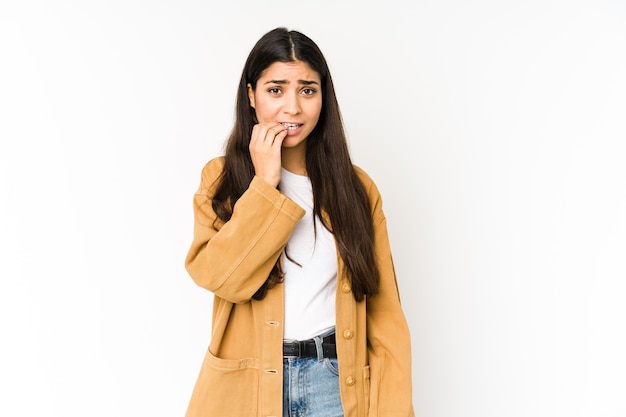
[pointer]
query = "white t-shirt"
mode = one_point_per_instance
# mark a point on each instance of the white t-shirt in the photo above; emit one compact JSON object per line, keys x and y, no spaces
{"x":309,"y":288}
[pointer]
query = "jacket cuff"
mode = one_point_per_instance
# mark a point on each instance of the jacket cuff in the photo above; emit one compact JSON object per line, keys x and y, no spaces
{"x":280,"y":200}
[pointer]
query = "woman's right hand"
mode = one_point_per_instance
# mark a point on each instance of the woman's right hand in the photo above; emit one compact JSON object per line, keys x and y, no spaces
{"x":265,"y":150}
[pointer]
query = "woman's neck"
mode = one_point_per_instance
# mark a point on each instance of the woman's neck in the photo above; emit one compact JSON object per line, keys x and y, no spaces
{"x":294,"y":160}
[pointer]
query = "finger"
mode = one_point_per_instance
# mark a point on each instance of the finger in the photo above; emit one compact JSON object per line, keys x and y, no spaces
{"x":258,"y":137}
{"x":258,"y":133}
{"x":262,"y":132}
{"x":280,"y":137}
{"x":276,"y":133}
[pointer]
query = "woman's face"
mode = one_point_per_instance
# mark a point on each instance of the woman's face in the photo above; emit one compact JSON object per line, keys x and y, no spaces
{"x":289,"y":93}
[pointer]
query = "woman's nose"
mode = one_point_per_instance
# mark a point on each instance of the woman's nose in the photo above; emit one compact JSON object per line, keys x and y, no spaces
{"x":292,"y":105}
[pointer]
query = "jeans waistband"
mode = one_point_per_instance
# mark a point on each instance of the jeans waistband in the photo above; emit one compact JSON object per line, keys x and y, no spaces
{"x":309,"y":348}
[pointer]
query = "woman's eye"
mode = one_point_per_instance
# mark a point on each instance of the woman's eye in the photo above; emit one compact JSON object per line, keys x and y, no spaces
{"x":308,"y":91}
{"x":274,"y":90}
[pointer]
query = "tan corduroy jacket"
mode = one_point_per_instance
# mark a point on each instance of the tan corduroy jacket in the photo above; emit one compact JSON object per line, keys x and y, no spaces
{"x":241,"y":375}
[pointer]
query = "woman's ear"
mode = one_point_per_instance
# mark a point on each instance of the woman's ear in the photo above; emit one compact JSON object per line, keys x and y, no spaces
{"x":251,"y":95}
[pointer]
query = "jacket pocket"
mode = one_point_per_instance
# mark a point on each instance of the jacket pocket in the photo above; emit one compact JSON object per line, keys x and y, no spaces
{"x":225,"y":388}
{"x":377,"y":369}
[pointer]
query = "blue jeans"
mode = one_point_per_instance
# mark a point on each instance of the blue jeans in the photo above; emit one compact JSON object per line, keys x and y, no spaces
{"x":311,"y":385}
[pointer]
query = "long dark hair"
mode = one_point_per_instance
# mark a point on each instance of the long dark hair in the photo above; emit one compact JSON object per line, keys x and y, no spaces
{"x":337,"y":189}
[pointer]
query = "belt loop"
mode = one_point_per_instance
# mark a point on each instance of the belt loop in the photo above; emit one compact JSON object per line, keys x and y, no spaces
{"x":318,"y":348}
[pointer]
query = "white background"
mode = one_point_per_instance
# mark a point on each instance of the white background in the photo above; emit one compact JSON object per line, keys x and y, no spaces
{"x":494,"y":129}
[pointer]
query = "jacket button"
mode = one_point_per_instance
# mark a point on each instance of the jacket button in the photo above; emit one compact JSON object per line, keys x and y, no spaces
{"x":350,"y":381}
{"x":345,"y":287}
{"x":347,"y":334}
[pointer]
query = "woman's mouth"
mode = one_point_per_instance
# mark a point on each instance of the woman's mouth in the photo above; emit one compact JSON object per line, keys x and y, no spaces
{"x":291,"y":126}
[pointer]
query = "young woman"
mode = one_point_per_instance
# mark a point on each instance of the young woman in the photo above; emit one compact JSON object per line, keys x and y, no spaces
{"x":291,"y":239}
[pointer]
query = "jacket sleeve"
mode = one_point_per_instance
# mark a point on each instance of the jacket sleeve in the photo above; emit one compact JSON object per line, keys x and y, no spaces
{"x":234,"y":260}
{"x":387,"y":331}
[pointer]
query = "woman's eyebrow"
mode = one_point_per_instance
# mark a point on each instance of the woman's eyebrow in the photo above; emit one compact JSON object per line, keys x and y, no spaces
{"x":304,"y":82}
